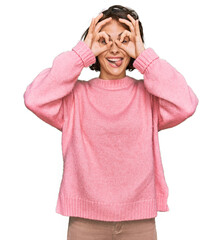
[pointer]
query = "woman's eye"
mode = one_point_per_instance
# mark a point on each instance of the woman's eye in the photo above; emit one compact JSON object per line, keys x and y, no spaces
{"x":103,"y":41}
{"x":125,"y":40}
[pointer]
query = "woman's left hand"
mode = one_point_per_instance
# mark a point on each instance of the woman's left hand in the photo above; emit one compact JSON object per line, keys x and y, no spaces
{"x":134,"y":45}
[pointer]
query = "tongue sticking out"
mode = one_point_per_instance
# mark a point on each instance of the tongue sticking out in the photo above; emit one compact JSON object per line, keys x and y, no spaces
{"x":118,"y":63}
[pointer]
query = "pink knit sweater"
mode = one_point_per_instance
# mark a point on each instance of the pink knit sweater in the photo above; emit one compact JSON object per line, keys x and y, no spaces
{"x":112,"y":162}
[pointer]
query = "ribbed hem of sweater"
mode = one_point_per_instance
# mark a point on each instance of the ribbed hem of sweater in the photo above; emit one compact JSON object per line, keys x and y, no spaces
{"x":110,"y":211}
{"x":112,"y":83}
{"x":145,"y":59}
{"x":85,"y":53}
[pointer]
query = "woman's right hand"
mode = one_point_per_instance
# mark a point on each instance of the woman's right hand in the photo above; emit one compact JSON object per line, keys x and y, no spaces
{"x":97,"y":41}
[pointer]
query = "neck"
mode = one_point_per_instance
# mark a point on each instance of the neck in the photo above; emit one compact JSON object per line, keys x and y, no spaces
{"x":107,"y":76}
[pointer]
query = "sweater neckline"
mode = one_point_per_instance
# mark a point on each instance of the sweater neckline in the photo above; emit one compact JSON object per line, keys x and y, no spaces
{"x":112,"y":83}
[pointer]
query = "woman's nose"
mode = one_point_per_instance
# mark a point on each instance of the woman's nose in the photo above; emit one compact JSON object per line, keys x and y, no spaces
{"x":114,"y":48}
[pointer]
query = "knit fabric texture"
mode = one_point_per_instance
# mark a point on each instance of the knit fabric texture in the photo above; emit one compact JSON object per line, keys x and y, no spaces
{"x":112,"y":163}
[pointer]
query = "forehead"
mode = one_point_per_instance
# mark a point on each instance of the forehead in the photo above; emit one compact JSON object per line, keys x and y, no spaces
{"x":113,"y":28}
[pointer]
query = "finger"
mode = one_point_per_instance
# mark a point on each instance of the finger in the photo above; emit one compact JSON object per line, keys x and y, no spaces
{"x":137,"y":28}
{"x":131,"y":19}
{"x":91,"y":27}
{"x":127,"y":23}
{"x":120,"y":45}
{"x":98,"y":17}
{"x":100,"y":24}
{"x":94,"y":21}
{"x":125,"y":33}
{"x":104,"y":35}
{"x":106,"y":47}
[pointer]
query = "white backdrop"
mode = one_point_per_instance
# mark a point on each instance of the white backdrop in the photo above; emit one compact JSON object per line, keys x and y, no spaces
{"x":185,"y":33}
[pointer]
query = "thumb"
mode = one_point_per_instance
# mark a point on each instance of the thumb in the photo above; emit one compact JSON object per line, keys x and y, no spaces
{"x":107,"y":46}
{"x":120,"y":45}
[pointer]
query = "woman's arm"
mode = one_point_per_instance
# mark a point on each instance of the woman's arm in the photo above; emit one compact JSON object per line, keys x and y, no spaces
{"x":175,"y":99}
{"x":45,"y":95}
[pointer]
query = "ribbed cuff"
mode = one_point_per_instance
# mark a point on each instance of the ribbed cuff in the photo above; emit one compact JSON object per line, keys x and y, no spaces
{"x":85,"y":53}
{"x":145,"y":59}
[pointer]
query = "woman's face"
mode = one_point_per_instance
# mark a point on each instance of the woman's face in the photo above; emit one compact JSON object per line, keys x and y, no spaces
{"x":117,"y":69}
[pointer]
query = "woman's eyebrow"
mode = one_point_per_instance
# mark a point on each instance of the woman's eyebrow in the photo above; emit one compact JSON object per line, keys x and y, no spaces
{"x":118,"y":35}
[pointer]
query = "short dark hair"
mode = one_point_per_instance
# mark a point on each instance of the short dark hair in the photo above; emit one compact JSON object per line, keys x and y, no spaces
{"x":116,"y":12}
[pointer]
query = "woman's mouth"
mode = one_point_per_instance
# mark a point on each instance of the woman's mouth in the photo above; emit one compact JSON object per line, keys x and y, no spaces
{"x":115,"y":61}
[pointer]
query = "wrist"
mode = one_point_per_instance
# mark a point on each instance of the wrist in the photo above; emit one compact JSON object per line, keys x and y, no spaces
{"x":85,"y":53}
{"x":140,"y":51}
{"x":145,"y":58}
{"x":88,"y":43}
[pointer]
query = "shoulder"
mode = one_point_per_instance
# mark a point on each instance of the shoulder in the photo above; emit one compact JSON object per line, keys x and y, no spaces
{"x":141,"y":85}
{"x":80,"y":85}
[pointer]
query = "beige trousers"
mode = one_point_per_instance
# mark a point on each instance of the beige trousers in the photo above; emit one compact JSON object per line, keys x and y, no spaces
{"x":90,"y":229}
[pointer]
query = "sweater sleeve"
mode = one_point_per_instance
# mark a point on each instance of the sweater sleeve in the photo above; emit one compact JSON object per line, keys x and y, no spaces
{"x":45,"y":95}
{"x":176,"y":100}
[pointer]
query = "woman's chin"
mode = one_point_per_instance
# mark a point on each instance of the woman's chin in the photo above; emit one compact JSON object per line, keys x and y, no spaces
{"x":116,"y":70}
{"x":117,"y":73}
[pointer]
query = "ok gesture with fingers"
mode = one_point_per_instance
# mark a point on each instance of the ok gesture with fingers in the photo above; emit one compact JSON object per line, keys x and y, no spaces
{"x":98,"y":41}
{"x":131,"y":41}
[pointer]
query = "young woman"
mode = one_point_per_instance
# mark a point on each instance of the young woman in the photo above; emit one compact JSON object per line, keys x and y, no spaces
{"x":113,"y":181}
